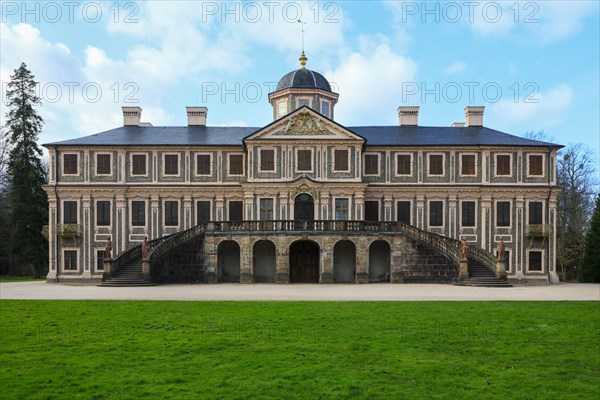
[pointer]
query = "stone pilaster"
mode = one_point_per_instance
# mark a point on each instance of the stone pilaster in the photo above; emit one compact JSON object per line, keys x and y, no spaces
{"x":362,"y":260}
{"x":120,"y":240}
{"x":396,"y":257}
{"x":326,"y":267}
{"x":246,"y":258}
{"x":52,"y":244}
{"x":282,"y":262}
{"x":86,"y":232}
{"x":187,"y":212}
{"x":210,"y":260}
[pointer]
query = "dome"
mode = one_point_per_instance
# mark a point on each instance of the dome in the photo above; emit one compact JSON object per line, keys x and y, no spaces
{"x":303,"y":79}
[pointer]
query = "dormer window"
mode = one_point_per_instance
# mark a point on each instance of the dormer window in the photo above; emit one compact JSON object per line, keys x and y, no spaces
{"x":281,"y":108}
{"x":325,"y":108}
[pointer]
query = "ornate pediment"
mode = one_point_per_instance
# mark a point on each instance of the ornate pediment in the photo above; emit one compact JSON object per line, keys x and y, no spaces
{"x":304,"y":124}
{"x":304,"y":188}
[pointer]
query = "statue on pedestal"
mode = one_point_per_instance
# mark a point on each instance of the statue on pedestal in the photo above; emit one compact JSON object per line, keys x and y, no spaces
{"x":500,"y":249}
{"x":464,"y":250}
{"x":145,"y":249}
{"x":108,"y":249}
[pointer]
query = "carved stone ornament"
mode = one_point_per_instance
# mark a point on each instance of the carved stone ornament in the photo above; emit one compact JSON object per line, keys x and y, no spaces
{"x":304,"y":188}
{"x":304,"y":124}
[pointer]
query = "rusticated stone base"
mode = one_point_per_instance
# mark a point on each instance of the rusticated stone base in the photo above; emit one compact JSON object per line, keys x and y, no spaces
{"x":246,"y":277}
{"x":362,"y":277}
{"x":211,"y":277}
{"x":326,"y":277}
{"x":397,"y":277}
{"x":283,"y":277}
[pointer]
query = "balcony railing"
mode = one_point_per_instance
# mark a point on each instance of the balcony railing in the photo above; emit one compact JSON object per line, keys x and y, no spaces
{"x":537,"y":230}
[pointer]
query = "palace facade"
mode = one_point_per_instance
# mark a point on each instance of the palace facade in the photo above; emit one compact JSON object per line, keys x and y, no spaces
{"x":326,"y":195}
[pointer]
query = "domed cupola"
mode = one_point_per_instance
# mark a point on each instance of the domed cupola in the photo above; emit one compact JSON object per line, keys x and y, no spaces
{"x":302,"y":87}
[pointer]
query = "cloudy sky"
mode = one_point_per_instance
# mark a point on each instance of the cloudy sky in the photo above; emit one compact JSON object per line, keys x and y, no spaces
{"x":533,"y":65}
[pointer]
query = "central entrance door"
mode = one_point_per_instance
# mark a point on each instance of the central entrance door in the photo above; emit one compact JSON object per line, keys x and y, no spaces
{"x":304,"y":208}
{"x":304,"y":262}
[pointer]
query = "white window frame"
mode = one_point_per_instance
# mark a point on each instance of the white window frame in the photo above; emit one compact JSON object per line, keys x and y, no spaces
{"x":96,"y":250}
{"x":543,"y":270}
{"x":62,"y":211}
{"x":139,"y":153}
{"x":96,"y":212}
{"x":104,"y":153}
{"x":349,"y":160}
{"x":428,"y":214}
{"x":378,"y":164}
{"x":275,"y":159}
{"x":429,"y":154}
{"x":279,"y":106}
{"x":146,"y":213}
{"x":62,"y":264}
{"x":63,"y":154}
{"x":164,"y":216}
{"x":527,"y":210}
{"x":460,"y":170}
{"x":510,"y":202}
{"x":164,"y":165}
{"x":411,"y":209}
{"x":396,"y":163}
{"x":203,"y":153}
{"x":543,"y":165}
{"x":229,"y":164}
{"x":312,"y":161}
{"x":496,"y":165}
{"x":328,"y":115}
{"x":258,"y":203}
{"x":335,"y":199}
{"x":476,"y":214}
{"x":309,"y":99}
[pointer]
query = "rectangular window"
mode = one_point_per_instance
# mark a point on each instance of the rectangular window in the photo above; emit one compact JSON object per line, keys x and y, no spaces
{"x":304,"y":160}
{"x":266,"y":209}
{"x":436,"y":164}
{"x":281,"y":108}
{"x":468,"y":213}
{"x":325,"y":108}
{"x":371,"y":211}
{"x":267,"y":160}
{"x":340,"y":160}
{"x":138,"y":213}
{"x":138,"y":164}
{"x":467,"y":164}
{"x":503,"y":164}
{"x":535,"y":213}
{"x":70,"y":212}
{"x":102,"y":164}
{"x":70,"y":260}
{"x":70,"y":164}
{"x":536,"y":165}
{"x":203,"y":164}
{"x":403,"y":212}
{"x":236,"y":211}
{"x":371,"y":164}
{"x":303,"y":102}
{"x":535,"y":260}
{"x":202,"y":212}
{"x":436,"y":213}
{"x":341,"y":209}
{"x":100,"y":260}
{"x":503,"y":213}
{"x":403,"y":164}
{"x":236,"y":164}
{"x":103,"y":213}
{"x":171,"y":213}
{"x":171,"y":164}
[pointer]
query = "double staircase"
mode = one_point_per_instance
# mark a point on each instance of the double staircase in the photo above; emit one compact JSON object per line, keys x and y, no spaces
{"x":129,"y":274}
{"x":482,"y":276}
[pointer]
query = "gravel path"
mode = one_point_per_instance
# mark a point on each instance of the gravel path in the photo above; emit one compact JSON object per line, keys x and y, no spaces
{"x":298,"y":292}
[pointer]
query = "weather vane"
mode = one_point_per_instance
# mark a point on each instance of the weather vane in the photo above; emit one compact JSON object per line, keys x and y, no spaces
{"x":302,"y":30}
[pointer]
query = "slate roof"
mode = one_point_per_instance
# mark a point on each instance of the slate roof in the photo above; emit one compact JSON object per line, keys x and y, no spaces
{"x":233,"y":136}
{"x":303,"y":78}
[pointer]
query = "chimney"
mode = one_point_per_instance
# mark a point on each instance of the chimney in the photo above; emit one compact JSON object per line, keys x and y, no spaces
{"x":196,"y":116}
{"x":457,"y":124}
{"x":131,"y":116}
{"x":474,"y":116}
{"x":408,"y":116}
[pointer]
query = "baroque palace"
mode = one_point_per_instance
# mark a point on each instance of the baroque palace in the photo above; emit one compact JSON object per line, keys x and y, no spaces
{"x":302,"y":199}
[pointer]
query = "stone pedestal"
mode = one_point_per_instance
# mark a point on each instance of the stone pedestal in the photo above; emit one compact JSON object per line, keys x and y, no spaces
{"x":108,"y":266}
{"x":463,"y":274}
{"x":146,"y":268}
{"x":500,"y":270}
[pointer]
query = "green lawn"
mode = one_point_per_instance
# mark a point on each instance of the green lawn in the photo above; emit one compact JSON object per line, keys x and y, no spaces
{"x":8,"y":278}
{"x":299,"y":350}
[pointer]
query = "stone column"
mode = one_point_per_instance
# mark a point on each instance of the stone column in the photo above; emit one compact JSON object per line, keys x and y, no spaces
{"x":154,"y":222}
{"x":387,"y":209}
{"x":187,"y":212}
{"x":220,"y":208}
{"x":519,"y":238}
{"x":486,"y":215}
{"x":453,"y":220}
{"x":362,"y":260}
{"x":246,"y":258}
{"x":120,"y":240}
{"x":420,"y":205}
{"x":86,"y":232}
{"x":326,"y":264}
{"x":282,"y":262}
{"x":52,"y":243}
{"x":359,"y":207}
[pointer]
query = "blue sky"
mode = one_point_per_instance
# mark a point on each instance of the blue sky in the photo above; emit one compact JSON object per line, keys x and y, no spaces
{"x":533,"y":65}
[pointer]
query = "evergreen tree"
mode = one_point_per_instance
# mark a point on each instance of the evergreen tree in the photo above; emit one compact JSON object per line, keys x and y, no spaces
{"x":28,"y":201}
{"x":590,"y":265}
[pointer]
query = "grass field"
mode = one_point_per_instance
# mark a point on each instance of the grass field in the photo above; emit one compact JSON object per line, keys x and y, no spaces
{"x":8,"y":278}
{"x":299,"y":350}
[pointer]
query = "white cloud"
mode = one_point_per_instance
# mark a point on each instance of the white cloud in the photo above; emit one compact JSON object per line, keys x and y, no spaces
{"x":455,"y":68}
{"x":370,"y":83}
{"x":550,"y":109}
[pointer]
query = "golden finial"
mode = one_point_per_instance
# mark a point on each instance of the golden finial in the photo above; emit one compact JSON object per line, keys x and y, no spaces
{"x":303,"y":60}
